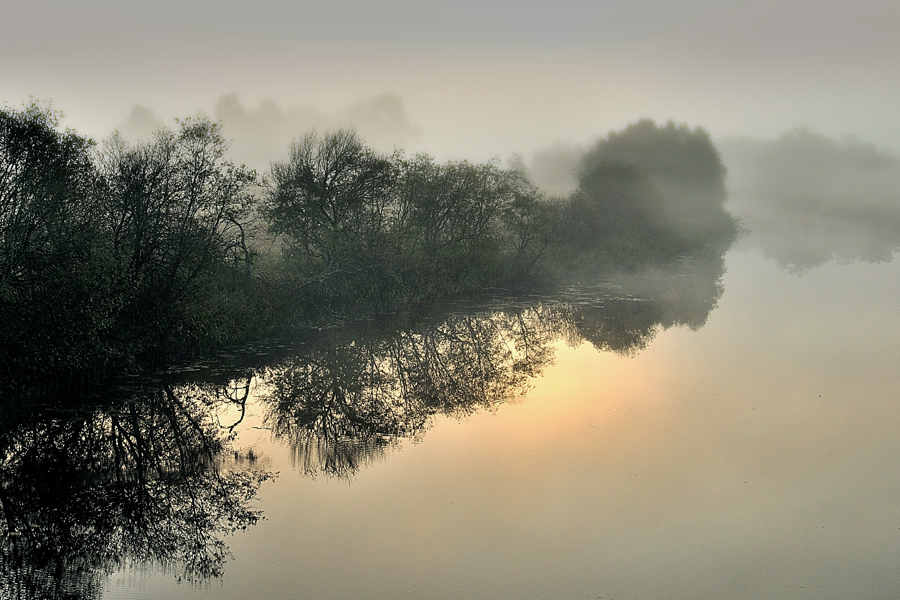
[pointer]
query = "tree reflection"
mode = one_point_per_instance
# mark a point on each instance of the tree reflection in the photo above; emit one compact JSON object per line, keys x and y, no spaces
{"x":681,"y":293}
{"x":346,"y":400}
{"x":350,"y":397}
{"x":804,"y":237}
{"x":808,"y":199}
{"x":86,"y":491}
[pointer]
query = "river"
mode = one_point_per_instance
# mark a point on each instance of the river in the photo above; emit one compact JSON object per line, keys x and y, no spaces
{"x":724,"y":427}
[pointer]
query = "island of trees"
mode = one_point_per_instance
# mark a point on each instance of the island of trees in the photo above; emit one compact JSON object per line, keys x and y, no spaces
{"x":116,"y":256}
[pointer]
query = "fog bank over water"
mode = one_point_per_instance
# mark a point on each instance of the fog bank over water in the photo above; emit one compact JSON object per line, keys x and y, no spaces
{"x":803,"y":198}
{"x":807,"y":199}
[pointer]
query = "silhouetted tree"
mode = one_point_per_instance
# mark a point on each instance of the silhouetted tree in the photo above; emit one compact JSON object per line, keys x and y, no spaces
{"x":329,"y":186}
{"x":468,"y":225}
{"x":55,"y":272}
{"x":330,"y":202}
{"x":45,"y":181}
{"x":175,"y":209}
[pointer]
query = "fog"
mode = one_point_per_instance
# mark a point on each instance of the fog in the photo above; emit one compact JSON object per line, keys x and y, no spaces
{"x":478,"y":80}
{"x":803,"y":198}
{"x":779,"y":86}
{"x":261,"y":134}
{"x":806,"y":199}
{"x":721,"y":424}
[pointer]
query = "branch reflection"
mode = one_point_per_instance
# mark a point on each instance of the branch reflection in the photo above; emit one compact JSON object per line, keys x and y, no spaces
{"x":85,"y":491}
{"x":349,"y":397}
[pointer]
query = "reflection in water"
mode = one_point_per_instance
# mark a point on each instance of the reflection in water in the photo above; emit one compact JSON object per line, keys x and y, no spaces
{"x":349,"y":397}
{"x":346,"y":400}
{"x":153,"y":478}
{"x":807,"y":199}
{"x":804,"y":236}
{"x":683,"y":293}
{"x":89,"y":490}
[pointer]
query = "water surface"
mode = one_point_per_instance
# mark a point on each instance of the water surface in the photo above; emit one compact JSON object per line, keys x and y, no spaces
{"x":719,"y":429}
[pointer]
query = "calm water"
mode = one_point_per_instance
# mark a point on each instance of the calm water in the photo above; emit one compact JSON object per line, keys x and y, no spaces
{"x":724,"y":428}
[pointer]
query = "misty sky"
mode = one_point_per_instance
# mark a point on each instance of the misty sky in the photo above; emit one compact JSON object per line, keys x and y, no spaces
{"x":478,"y":78}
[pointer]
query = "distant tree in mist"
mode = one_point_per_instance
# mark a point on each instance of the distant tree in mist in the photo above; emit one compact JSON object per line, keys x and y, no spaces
{"x":554,"y":169}
{"x":804,"y":166}
{"x":141,"y":124}
{"x":616,"y":205}
{"x":808,"y":199}
{"x":381,"y":119}
{"x":682,"y":163}
{"x":648,"y":191}
{"x":262,"y":134}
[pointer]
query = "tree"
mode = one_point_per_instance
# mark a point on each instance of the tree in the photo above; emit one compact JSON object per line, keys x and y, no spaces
{"x":55,"y":297}
{"x":454,"y":206}
{"x":45,"y":184}
{"x":615,"y":205}
{"x":469,"y":223}
{"x":175,"y":210}
{"x":331,"y":202}
{"x":682,"y":163}
{"x":330,"y":187}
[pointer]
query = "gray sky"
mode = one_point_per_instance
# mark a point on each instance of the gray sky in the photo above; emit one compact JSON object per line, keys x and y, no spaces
{"x":479,"y":78}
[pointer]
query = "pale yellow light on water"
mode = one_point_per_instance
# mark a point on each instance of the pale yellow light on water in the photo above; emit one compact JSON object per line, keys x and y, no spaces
{"x":754,"y":457}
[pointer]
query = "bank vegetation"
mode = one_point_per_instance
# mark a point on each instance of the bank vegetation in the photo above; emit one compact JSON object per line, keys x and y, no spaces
{"x":119,"y":256}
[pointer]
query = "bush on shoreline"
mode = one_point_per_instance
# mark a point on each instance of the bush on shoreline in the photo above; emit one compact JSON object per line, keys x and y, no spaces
{"x":122,"y":257}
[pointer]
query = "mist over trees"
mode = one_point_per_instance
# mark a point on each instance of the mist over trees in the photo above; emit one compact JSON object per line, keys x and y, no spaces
{"x":808,"y":199}
{"x":554,"y":169}
{"x":646,"y":192}
{"x":639,"y":185}
{"x":123,"y":254}
{"x":804,"y":166}
{"x":258,"y":135}
{"x":681,"y":163}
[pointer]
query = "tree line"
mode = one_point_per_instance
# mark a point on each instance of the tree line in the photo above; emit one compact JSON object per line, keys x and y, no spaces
{"x":115,"y":256}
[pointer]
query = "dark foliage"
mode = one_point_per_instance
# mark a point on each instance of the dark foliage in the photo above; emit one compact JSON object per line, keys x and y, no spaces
{"x":657,"y":183}
{"x":84,"y":491}
{"x":359,"y":228}
{"x":110,"y":259}
{"x":131,"y":255}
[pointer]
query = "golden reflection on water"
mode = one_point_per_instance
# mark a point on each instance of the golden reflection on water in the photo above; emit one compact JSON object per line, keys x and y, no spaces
{"x":756,"y":457}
